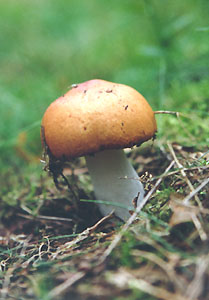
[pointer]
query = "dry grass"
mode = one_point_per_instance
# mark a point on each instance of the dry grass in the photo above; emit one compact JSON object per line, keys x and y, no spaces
{"x":57,"y":248}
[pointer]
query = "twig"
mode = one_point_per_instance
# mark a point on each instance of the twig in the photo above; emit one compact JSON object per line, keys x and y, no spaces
{"x":192,"y":208}
{"x":118,"y":237}
{"x":179,"y":165}
{"x":177,"y":171}
{"x":204,"y":154}
{"x":6,"y":283}
{"x":82,"y":236}
{"x":79,"y":275}
{"x":194,"y":289}
{"x":198,"y":226}
{"x":195,"y":191}
{"x":167,"y":267}
{"x":155,"y":291}
{"x":176,"y":113}
{"x":169,"y":173}
{"x":194,"y":218}
{"x":50,"y":218}
{"x":55,"y":292}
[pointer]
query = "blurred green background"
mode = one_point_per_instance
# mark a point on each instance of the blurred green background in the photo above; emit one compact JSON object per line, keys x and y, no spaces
{"x":160,"y":47}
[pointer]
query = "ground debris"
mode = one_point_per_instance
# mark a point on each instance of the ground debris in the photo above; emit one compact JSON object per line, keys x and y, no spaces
{"x":54,"y":248}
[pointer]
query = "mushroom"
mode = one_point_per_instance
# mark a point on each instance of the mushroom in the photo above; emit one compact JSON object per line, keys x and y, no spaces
{"x":98,"y":119}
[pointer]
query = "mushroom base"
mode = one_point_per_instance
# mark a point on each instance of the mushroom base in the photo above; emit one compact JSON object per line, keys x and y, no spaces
{"x":114,"y":180}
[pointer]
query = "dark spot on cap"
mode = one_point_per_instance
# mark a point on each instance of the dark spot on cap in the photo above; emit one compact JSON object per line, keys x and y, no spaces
{"x":126,"y":107}
{"x":108,"y":91}
{"x":84,"y":128}
{"x":85,"y":91}
{"x":122,"y":124}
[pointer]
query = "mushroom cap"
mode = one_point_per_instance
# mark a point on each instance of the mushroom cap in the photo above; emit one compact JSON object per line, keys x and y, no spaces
{"x":94,"y":116}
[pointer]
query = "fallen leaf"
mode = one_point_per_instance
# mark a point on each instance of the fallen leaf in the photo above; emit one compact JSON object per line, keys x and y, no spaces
{"x":181,"y":213}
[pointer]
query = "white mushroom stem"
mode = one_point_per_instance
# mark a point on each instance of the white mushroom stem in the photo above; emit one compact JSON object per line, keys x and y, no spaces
{"x":114,"y":180}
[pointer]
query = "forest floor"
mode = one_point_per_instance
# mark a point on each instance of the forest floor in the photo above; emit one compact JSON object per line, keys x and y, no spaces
{"x":54,"y":246}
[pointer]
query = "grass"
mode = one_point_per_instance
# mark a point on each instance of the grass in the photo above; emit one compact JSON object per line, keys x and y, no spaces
{"x":49,"y":246}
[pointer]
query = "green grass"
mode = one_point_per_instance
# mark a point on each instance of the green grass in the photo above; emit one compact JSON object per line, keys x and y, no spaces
{"x":46,"y":46}
{"x":159,"y":47}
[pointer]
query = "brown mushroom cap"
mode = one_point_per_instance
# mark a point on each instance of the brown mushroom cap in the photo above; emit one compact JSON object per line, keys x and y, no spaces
{"x":97,"y":115}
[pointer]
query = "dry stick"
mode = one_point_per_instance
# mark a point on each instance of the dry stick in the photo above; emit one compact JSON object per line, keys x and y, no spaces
{"x":55,"y":292}
{"x":183,"y":173}
{"x":194,"y":192}
{"x":198,"y":226}
{"x":168,"y":268}
{"x":155,"y":291}
{"x":177,"y":114}
{"x":4,"y":292}
{"x":41,"y":217}
{"x":82,"y":236}
{"x":177,"y":171}
{"x":170,"y":173}
{"x":79,"y":275}
{"x":167,"y":112}
{"x":118,"y":237}
{"x":195,"y":288}
{"x":194,"y":218}
{"x":205,"y":153}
